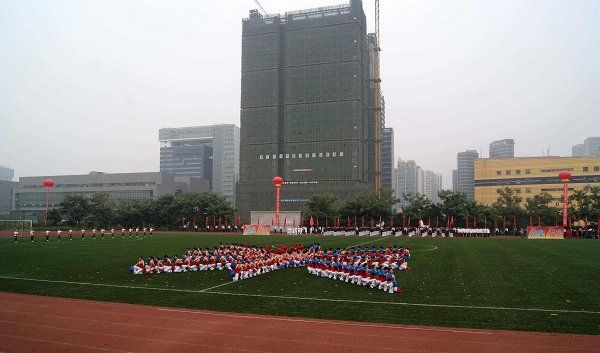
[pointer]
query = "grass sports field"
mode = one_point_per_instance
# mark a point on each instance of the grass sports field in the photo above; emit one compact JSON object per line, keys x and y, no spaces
{"x":515,"y":284}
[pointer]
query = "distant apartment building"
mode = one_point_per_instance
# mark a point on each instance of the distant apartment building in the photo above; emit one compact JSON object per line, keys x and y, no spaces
{"x":433,"y":185}
{"x":30,"y":195}
{"x":589,"y":147}
{"x":6,"y":188}
{"x":502,"y":149}
{"x":455,"y":180}
{"x":387,"y":157}
{"x":465,"y":172}
{"x":210,"y":152}
{"x":6,"y":173}
{"x":407,"y":180}
{"x":530,"y":176}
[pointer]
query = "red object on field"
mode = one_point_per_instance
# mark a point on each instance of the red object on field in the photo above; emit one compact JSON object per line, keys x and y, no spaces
{"x":311,"y":222}
{"x":48,"y":183}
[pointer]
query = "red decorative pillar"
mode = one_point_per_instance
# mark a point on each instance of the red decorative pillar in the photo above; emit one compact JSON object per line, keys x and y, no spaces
{"x":277,"y":181}
{"x":48,"y":184}
{"x":565,"y":177}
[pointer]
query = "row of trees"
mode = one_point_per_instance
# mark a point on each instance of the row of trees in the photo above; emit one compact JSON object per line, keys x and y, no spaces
{"x":169,"y":212}
{"x":455,"y":206}
{"x":166,"y":212}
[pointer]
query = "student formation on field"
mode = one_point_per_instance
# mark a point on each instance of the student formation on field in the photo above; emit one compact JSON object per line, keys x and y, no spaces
{"x":368,"y":266}
{"x":83,"y":233}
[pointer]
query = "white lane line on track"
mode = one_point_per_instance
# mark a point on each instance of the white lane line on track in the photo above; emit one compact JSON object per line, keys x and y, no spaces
{"x":206,"y":291}
{"x":29,"y":338}
{"x":401,"y":327}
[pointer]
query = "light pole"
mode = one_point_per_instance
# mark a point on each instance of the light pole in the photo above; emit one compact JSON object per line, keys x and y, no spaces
{"x":48,"y":184}
{"x":565,"y":177}
{"x":277,"y":181}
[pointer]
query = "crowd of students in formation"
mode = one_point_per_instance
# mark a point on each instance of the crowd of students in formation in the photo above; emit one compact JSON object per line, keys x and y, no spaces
{"x":428,"y":231}
{"x":83,"y":233}
{"x":369,"y":266}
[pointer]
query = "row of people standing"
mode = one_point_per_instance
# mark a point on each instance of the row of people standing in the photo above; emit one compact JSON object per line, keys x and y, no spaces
{"x":68,"y":234}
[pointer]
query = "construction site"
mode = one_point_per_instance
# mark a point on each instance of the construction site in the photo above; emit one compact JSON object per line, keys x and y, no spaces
{"x":312,"y":108}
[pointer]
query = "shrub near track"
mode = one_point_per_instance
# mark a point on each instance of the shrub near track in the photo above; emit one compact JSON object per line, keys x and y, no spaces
{"x":462,"y":282}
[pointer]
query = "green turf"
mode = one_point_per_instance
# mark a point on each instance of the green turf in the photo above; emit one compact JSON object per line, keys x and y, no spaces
{"x":505,"y":273}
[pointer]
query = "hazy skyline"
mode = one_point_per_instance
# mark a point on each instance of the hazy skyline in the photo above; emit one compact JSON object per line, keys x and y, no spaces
{"x":85,"y":85}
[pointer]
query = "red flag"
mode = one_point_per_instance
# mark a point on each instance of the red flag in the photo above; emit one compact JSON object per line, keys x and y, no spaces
{"x":437,"y":221}
{"x":539,"y":221}
{"x":311,"y":222}
{"x":585,"y":222}
{"x":503,"y":223}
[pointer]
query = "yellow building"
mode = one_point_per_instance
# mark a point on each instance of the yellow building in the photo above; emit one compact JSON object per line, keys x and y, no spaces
{"x":529,"y":176}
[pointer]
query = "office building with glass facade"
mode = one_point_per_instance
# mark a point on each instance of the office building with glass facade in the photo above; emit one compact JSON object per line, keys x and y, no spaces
{"x":502,"y":149}
{"x":465,"y":172}
{"x":210,"y":152}
{"x":304,"y":107}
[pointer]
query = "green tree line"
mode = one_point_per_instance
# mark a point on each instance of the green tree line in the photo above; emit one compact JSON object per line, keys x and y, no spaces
{"x":166,"y":212}
{"x":455,"y":207}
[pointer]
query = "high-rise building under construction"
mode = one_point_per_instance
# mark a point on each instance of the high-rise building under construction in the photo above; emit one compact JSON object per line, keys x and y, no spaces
{"x":305,"y":106}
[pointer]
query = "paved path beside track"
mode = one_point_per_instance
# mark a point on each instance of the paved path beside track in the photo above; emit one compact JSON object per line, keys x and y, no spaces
{"x":47,"y":324}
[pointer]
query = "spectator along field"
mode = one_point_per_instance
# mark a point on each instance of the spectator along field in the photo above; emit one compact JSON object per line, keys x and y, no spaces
{"x":496,"y":283}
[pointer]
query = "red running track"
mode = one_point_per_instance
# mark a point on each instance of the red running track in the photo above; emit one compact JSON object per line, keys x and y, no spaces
{"x":47,"y":324}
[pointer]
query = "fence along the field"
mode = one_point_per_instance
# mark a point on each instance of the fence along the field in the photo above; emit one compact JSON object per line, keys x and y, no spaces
{"x":16,"y":224}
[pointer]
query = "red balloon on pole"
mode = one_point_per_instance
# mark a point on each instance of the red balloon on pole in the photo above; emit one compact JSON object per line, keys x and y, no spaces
{"x":277,"y":181}
{"x":48,"y":183}
{"x":565,"y":176}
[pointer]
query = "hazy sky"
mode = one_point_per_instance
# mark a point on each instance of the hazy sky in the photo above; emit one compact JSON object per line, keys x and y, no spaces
{"x":85,"y":85}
